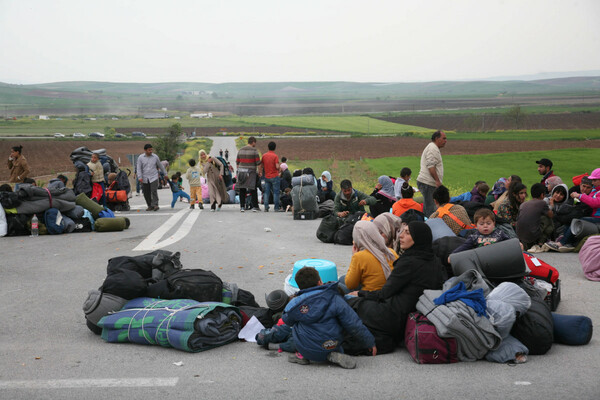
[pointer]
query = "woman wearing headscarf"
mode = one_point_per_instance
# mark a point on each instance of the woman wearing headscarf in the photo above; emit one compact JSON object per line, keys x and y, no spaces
{"x":384,"y":194}
{"x":17,"y":163}
{"x":389,"y":227}
{"x":325,"y":187}
{"x":372,"y":261}
{"x":213,"y":169}
{"x":385,"y":311}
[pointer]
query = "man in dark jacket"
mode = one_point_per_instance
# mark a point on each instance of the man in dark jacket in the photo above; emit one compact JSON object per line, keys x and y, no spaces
{"x":348,"y":200}
{"x":319,"y":317}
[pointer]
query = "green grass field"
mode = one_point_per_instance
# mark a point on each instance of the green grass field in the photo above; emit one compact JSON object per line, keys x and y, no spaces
{"x":350,"y":124}
{"x":460,"y":172}
{"x":572,"y":134}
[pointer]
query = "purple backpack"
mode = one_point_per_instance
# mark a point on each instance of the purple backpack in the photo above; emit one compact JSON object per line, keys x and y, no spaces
{"x":423,"y":343}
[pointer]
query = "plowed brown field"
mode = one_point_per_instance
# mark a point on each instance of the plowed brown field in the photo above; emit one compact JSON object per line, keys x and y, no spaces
{"x":49,"y":157}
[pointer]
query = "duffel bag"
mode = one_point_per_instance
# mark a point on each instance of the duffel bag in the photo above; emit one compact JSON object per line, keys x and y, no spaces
{"x":327,"y":228}
{"x":573,"y":330}
{"x":116,"y":196}
{"x":424,"y":344}
{"x":195,"y":284}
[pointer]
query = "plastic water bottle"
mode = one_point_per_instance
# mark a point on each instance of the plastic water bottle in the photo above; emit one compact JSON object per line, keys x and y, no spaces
{"x":34,"y":226}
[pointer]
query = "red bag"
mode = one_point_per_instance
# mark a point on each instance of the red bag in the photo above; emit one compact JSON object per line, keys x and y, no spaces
{"x":116,"y":196}
{"x":540,"y":269}
{"x":577,"y":179}
{"x":96,"y":192}
{"x":423,"y":343}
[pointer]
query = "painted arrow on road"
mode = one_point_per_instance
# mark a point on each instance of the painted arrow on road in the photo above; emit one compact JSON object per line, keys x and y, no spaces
{"x":154,"y":242}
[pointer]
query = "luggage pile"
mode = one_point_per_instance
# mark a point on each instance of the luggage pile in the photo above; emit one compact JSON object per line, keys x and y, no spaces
{"x":152,"y":299}
{"x":497,"y":306}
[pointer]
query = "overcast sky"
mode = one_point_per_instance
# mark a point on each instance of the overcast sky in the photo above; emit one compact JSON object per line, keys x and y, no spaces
{"x":286,"y":40}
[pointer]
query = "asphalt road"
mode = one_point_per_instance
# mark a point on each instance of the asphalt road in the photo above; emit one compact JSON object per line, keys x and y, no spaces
{"x":47,"y":352}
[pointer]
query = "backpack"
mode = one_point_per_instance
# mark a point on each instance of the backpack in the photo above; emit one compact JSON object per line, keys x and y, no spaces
{"x":535,"y":329}
{"x":54,"y":221}
{"x":327,"y":228}
{"x":122,"y":180}
{"x":344,"y":234}
{"x":195,"y":284}
{"x":445,"y":210}
{"x":424,"y":344}
{"x":227,"y":177}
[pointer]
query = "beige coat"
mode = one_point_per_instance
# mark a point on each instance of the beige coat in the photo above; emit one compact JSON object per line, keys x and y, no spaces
{"x":19,"y":169}
{"x":214,"y":171}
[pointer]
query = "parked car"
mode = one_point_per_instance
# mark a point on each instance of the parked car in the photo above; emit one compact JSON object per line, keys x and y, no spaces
{"x":59,"y":135}
{"x":120,"y":135}
{"x":139,"y":134}
{"x":96,"y":134}
{"x":78,"y":134}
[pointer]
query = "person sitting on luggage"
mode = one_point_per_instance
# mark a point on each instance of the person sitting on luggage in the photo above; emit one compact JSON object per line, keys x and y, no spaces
{"x":325,"y":187}
{"x":454,"y":215}
{"x":485,"y":234}
{"x":320,"y":319}
{"x":384,"y":196}
{"x":406,"y":202}
{"x":176,"y":189}
{"x":372,"y":261}
{"x":348,"y":200}
{"x":534,"y":222}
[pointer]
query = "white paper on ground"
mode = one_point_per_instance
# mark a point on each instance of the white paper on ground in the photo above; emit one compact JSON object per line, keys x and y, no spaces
{"x":248,"y":332}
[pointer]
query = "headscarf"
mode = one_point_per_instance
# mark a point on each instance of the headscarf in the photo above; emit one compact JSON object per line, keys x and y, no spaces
{"x":387,"y":187}
{"x":366,"y":237}
{"x":421,"y":235}
{"x":283,"y":166}
{"x":390,"y":226}
{"x":200,"y":155}
{"x":499,"y":187}
{"x":327,"y":175}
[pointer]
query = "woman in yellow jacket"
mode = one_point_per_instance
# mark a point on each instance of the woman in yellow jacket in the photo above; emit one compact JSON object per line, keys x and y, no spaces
{"x":372,"y":261}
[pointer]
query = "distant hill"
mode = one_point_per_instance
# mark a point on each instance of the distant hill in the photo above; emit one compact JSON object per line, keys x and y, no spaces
{"x":82,"y":97}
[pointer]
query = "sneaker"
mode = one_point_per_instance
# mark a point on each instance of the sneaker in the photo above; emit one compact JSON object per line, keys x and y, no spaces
{"x":553,"y":245}
{"x":298,"y":359}
{"x":343,"y":360}
{"x":219,"y":208}
{"x":242,"y":210}
{"x":156,"y":208}
{"x":535,"y":249}
{"x":256,"y":209}
{"x":545,"y":248}
{"x":266,"y":210}
{"x":192,"y":207}
{"x":150,"y":209}
{"x":201,"y":206}
{"x":212,"y":210}
{"x":567,"y":248}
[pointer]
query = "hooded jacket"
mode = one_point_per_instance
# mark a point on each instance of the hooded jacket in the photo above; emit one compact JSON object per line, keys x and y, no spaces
{"x":319,"y":318}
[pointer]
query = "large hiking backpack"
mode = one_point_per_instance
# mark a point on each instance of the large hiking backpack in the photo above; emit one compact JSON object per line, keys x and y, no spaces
{"x":227,"y":177}
{"x":122,"y":180}
{"x":54,"y":221}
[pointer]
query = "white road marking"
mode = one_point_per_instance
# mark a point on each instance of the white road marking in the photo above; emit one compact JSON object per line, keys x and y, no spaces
{"x":88,"y":383}
{"x":153,"y":241}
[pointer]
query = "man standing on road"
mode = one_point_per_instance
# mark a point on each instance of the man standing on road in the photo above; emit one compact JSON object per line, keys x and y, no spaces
{"x":270,"y":166}
{"x":431,"y":174}
{"x":148,"y":165}
{"x":247,"y":162}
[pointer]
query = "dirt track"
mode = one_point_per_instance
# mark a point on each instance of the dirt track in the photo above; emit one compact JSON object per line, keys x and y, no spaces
{"x":49,"y":157}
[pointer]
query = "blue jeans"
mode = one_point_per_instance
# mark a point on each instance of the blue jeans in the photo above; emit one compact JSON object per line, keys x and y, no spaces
{"x":177,"y":195}
{"x":271,"y":184}
{"x":427,"y":192}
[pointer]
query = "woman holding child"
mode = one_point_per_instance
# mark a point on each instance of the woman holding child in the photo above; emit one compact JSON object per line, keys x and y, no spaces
{"x":385,"y":311}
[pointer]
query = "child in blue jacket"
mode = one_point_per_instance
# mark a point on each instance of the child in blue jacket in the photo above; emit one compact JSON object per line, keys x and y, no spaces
{"x":176,"y":189}
{"x":320,"y":318}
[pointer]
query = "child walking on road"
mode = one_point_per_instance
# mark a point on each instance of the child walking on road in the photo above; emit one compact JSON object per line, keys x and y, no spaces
{"x":177,"y":191}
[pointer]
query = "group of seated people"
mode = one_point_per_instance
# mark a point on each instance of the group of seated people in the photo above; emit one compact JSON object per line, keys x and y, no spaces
{"x":393,"y":260}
